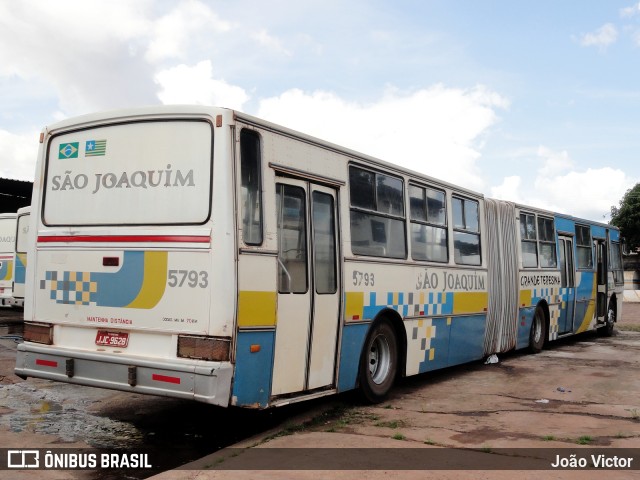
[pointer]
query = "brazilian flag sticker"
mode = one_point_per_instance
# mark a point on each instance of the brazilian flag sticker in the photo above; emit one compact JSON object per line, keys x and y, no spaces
{"x":68,"y":150}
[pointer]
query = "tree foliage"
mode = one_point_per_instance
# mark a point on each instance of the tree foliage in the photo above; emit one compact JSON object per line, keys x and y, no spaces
{"x":627,"y":217}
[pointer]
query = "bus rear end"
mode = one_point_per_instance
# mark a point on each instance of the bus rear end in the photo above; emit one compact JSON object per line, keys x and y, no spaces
{"x":120,"y":292}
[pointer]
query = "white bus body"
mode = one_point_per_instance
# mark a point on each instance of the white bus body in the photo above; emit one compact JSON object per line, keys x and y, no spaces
{"x":7,"y":251}
{"x":201,"y":253}
{"x":21,"y":257}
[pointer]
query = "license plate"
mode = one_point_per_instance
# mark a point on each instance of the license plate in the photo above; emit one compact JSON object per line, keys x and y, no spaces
{"x":112,"y":339}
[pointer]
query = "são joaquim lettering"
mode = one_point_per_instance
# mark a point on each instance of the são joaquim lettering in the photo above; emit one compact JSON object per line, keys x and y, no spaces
{"x":444,"y":280}
{"x":137,"y":179}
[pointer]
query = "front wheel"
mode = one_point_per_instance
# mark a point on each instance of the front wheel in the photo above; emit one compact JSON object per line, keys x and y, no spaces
{"x":607,"y":329}
{"x":536,"y":335}
{"x":379,"y":362}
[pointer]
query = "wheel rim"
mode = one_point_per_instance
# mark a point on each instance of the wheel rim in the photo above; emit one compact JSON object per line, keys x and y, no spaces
{"x":611,"y":316}
{"x":379,"y":359}
{"x":537,"y":327}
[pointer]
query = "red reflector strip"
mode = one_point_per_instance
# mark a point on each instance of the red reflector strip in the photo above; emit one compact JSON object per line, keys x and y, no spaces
{"x":355,"y":317}
{"x":165,"y":378}
{"x":46,"y":363}
{"x":124,"y":239}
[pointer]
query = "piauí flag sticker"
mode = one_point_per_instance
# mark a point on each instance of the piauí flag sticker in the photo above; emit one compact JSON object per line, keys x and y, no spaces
{"x":95,"y":148}
{"x":68,"y":150}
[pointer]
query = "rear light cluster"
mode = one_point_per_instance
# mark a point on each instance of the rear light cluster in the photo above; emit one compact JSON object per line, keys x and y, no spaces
{"x":38,"y":333}
{"x":204,"y":348}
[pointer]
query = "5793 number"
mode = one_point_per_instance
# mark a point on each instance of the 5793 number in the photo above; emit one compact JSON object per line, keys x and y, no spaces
{"x":191,"y":278}
{"x":363,"y":278}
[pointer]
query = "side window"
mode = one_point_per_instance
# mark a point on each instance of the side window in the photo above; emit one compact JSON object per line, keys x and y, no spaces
{"x":584,"y":247}
{"x":324,"y":239}
{"x":528,"y":240}
{"x":547,"y":243}
{"x":377,"y":214}
{"x":466,"y":231}
{"x":428,"y":224}
{"x":616,"y":262}
{"x":292,"y":239}
{"x":250,"y":187}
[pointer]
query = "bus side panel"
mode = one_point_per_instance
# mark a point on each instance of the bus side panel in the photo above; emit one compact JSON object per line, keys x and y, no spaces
{"x":254,"y":367}
{"x":20,"y":258}
{"x":256,"y":328}
{"x":7,"y":252}
{"x":585,"y":316}
{"x":6,"y":270}
{"x":525,"y":316}
{"x":427,"y":344}
{"x":466,"y":335}
{"x":353,"y":336}
{"x":443,"y":309}
{"x":19,"y":275}
{"x":537,"y":288}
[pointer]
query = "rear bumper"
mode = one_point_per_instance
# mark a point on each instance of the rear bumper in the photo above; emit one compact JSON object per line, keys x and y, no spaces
{"x":16,"y":302}
{"x":208,"y":382}
{"x":6,"y":298}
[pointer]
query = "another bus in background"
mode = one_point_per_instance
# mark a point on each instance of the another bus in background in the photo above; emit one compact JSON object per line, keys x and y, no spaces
{"x":7,"y":251}
{"x":21,"y":257}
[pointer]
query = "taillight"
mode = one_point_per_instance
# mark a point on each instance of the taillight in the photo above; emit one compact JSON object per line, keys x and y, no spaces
{"x":204,"y":348}
{"x":38,"y":333}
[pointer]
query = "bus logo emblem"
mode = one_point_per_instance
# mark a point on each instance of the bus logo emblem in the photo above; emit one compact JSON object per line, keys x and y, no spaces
{"x":68,"y":150}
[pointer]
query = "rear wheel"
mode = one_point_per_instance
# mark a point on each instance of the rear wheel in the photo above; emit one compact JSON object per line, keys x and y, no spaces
{"x":379,"y":362}
{"x":536,"y":335}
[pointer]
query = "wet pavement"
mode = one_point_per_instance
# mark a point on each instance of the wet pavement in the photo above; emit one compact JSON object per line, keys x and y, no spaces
{"x":471,"y":405}
{"x":39,"y":413}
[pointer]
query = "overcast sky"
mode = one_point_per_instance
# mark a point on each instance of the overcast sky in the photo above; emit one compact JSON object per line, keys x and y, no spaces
{"x":532,"y":101}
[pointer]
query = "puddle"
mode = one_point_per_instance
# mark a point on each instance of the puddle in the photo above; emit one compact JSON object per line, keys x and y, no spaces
{"x":11,"y":331}
{"x":61,"y":411}
{"x":174,"y":432}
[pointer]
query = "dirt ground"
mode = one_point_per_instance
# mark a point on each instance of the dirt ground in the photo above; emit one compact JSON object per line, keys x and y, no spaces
{"x":579,"y":396}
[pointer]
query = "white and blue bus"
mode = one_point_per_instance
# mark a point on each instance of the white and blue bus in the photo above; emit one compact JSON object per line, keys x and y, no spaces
{"x":7,"y":251}
{"x":202,"y":253}
{"x":20,"y":257}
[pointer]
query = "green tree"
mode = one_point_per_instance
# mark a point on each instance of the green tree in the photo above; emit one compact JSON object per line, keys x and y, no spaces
{"x":627,"y":217}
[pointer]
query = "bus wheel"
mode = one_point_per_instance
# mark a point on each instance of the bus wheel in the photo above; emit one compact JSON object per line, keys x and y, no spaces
{"x":607,"y":329}
{"x":536,"y":336}
{"x":379,"y":362}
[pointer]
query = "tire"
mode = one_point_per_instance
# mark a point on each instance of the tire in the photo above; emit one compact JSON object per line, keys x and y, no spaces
{"x":537,"y":333}
{"x":378,"y":362}
{"x":607,"y":329}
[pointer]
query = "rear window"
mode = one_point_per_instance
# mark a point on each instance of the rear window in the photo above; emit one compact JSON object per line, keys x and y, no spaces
{"x":138,"y":173}
{"x":7,"y":234}
{"x":22,"y":233}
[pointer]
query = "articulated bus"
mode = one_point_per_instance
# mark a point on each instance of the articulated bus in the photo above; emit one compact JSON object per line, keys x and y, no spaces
{"x":7,"y":246}
{"x":202,"y":253}
{"x":20,"y":257}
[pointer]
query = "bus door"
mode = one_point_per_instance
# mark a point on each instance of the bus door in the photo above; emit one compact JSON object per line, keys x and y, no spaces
{"x":601,"y":274}
{"x":567,"y":284}
{"x":308,"y":287}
